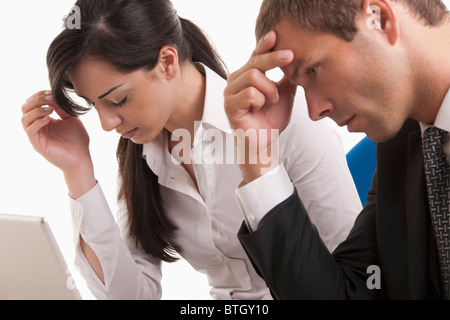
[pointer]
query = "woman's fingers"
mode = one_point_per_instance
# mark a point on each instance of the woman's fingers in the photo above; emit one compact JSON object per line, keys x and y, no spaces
{"x":36,"y":101}
{"x":40,"y":93}
{"x":35,"y":114}
{"x":33,"y":129}
{"x":39,"y":105}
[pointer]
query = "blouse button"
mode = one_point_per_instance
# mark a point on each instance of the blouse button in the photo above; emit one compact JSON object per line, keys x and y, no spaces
{"x":86,"y":230}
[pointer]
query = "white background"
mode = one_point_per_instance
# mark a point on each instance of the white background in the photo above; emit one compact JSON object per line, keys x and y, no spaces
{"x":31,"y":186}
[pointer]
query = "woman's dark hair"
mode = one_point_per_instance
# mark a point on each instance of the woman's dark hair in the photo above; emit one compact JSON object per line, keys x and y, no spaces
{"x":130,"y":34}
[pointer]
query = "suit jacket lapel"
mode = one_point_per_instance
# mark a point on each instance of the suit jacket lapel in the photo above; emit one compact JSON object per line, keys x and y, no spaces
{"x":406,"y":244}
{"x":417,"y":223}
{"x":392,"y":229}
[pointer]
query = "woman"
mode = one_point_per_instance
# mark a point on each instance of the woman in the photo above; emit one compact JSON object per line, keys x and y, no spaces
{"x":149,"y":73}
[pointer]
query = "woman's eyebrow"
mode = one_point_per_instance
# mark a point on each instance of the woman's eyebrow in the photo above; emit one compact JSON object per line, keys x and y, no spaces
{"x":111,"y":90}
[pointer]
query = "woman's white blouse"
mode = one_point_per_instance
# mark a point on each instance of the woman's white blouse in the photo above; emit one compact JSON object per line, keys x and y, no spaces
{"x":209,"y":219}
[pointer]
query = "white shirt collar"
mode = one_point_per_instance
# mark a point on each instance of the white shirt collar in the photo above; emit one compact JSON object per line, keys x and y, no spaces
{"x":156,"y":153}
{"x":443,"y":117}
{"x":214,"y":111}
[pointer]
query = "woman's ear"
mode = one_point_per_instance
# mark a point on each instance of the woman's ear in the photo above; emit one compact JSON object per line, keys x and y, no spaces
{"x":168,"y":63}
{"x":381,"y":15}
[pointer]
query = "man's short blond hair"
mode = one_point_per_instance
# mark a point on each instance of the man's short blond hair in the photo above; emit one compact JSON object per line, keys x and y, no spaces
{"x":337,"y":16}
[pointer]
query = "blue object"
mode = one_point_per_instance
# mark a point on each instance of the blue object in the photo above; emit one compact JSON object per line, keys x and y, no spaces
{"x":362,"y":162}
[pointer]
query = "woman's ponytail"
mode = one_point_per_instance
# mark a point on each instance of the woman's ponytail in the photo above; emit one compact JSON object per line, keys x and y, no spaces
{"x":200,"y":49}
{"x":147,"y":222}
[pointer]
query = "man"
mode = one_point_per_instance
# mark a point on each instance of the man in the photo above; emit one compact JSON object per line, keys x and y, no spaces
{"x":376,"y":66}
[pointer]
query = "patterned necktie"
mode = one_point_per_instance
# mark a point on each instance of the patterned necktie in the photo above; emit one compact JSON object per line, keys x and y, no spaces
{"x":438,"y":186}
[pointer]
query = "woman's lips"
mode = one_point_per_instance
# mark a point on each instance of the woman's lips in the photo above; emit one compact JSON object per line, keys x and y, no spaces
{"x":129,"y":134}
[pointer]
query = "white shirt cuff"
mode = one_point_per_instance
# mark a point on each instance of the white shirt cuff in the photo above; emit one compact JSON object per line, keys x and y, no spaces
{"x":260,"y":196}
{"x":91,"y":214}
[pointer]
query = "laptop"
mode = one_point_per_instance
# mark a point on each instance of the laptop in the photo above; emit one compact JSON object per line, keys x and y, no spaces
{"x":31,"y":264}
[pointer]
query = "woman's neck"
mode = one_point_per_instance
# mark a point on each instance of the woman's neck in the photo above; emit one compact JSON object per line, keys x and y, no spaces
{"x":189,"y":101}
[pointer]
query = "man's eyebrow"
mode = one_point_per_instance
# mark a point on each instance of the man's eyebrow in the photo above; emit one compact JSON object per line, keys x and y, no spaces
{"x":107,"y":93}
{"x":296,"y":66}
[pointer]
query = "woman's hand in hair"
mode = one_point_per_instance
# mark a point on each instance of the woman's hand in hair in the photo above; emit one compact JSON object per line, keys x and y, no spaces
{"x":64,"y":142}
{"x":254,"y":102}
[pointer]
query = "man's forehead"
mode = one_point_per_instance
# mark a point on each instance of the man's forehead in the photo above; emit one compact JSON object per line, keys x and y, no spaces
{"x":291,"y":36}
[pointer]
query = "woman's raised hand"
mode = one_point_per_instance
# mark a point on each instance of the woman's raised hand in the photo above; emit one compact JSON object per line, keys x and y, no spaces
{"x":63,"y":142}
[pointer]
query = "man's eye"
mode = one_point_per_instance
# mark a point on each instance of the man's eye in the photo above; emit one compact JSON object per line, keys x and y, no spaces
{"x":312,"y":71}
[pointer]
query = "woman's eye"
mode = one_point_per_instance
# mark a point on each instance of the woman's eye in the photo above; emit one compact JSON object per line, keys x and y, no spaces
{"x":121,"y":103}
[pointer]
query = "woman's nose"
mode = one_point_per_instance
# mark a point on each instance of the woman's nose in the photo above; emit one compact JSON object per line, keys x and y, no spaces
{"x":108,"y":119}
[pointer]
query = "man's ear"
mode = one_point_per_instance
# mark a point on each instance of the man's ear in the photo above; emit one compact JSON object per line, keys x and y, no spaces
{"x":168,"y":64}
{"x":381,"y":15}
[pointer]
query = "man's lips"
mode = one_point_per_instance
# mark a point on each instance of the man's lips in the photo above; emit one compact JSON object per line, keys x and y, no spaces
{"x":346,"y":122}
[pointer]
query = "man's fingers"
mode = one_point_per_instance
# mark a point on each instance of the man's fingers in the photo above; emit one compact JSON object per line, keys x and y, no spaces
{"x":255,"y":79}
{"x":285,"y":86}
{"x":239,"y":104}
{"x":265,"y":44}
{"x":264,"y":58}
{"x":249,"y":89}
{"x":271,"y":60}
{"x":265,"y":62}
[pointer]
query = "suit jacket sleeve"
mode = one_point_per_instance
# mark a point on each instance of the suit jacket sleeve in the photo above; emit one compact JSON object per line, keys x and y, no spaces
{"x":289,"y":254}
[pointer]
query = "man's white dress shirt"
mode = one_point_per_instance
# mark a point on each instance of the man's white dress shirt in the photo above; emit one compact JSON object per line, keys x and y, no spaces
{"x":442,"y":122}
{"x":209,"y":218}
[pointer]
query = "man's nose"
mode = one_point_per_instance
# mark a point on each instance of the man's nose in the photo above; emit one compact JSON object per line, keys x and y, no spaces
{"x":319,"y":107}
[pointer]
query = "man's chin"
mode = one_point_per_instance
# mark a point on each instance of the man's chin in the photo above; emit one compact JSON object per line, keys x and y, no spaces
{"x":380,"y":136}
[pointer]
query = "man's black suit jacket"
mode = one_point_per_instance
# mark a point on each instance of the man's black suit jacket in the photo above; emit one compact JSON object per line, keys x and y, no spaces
{"x":392,"y":232}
